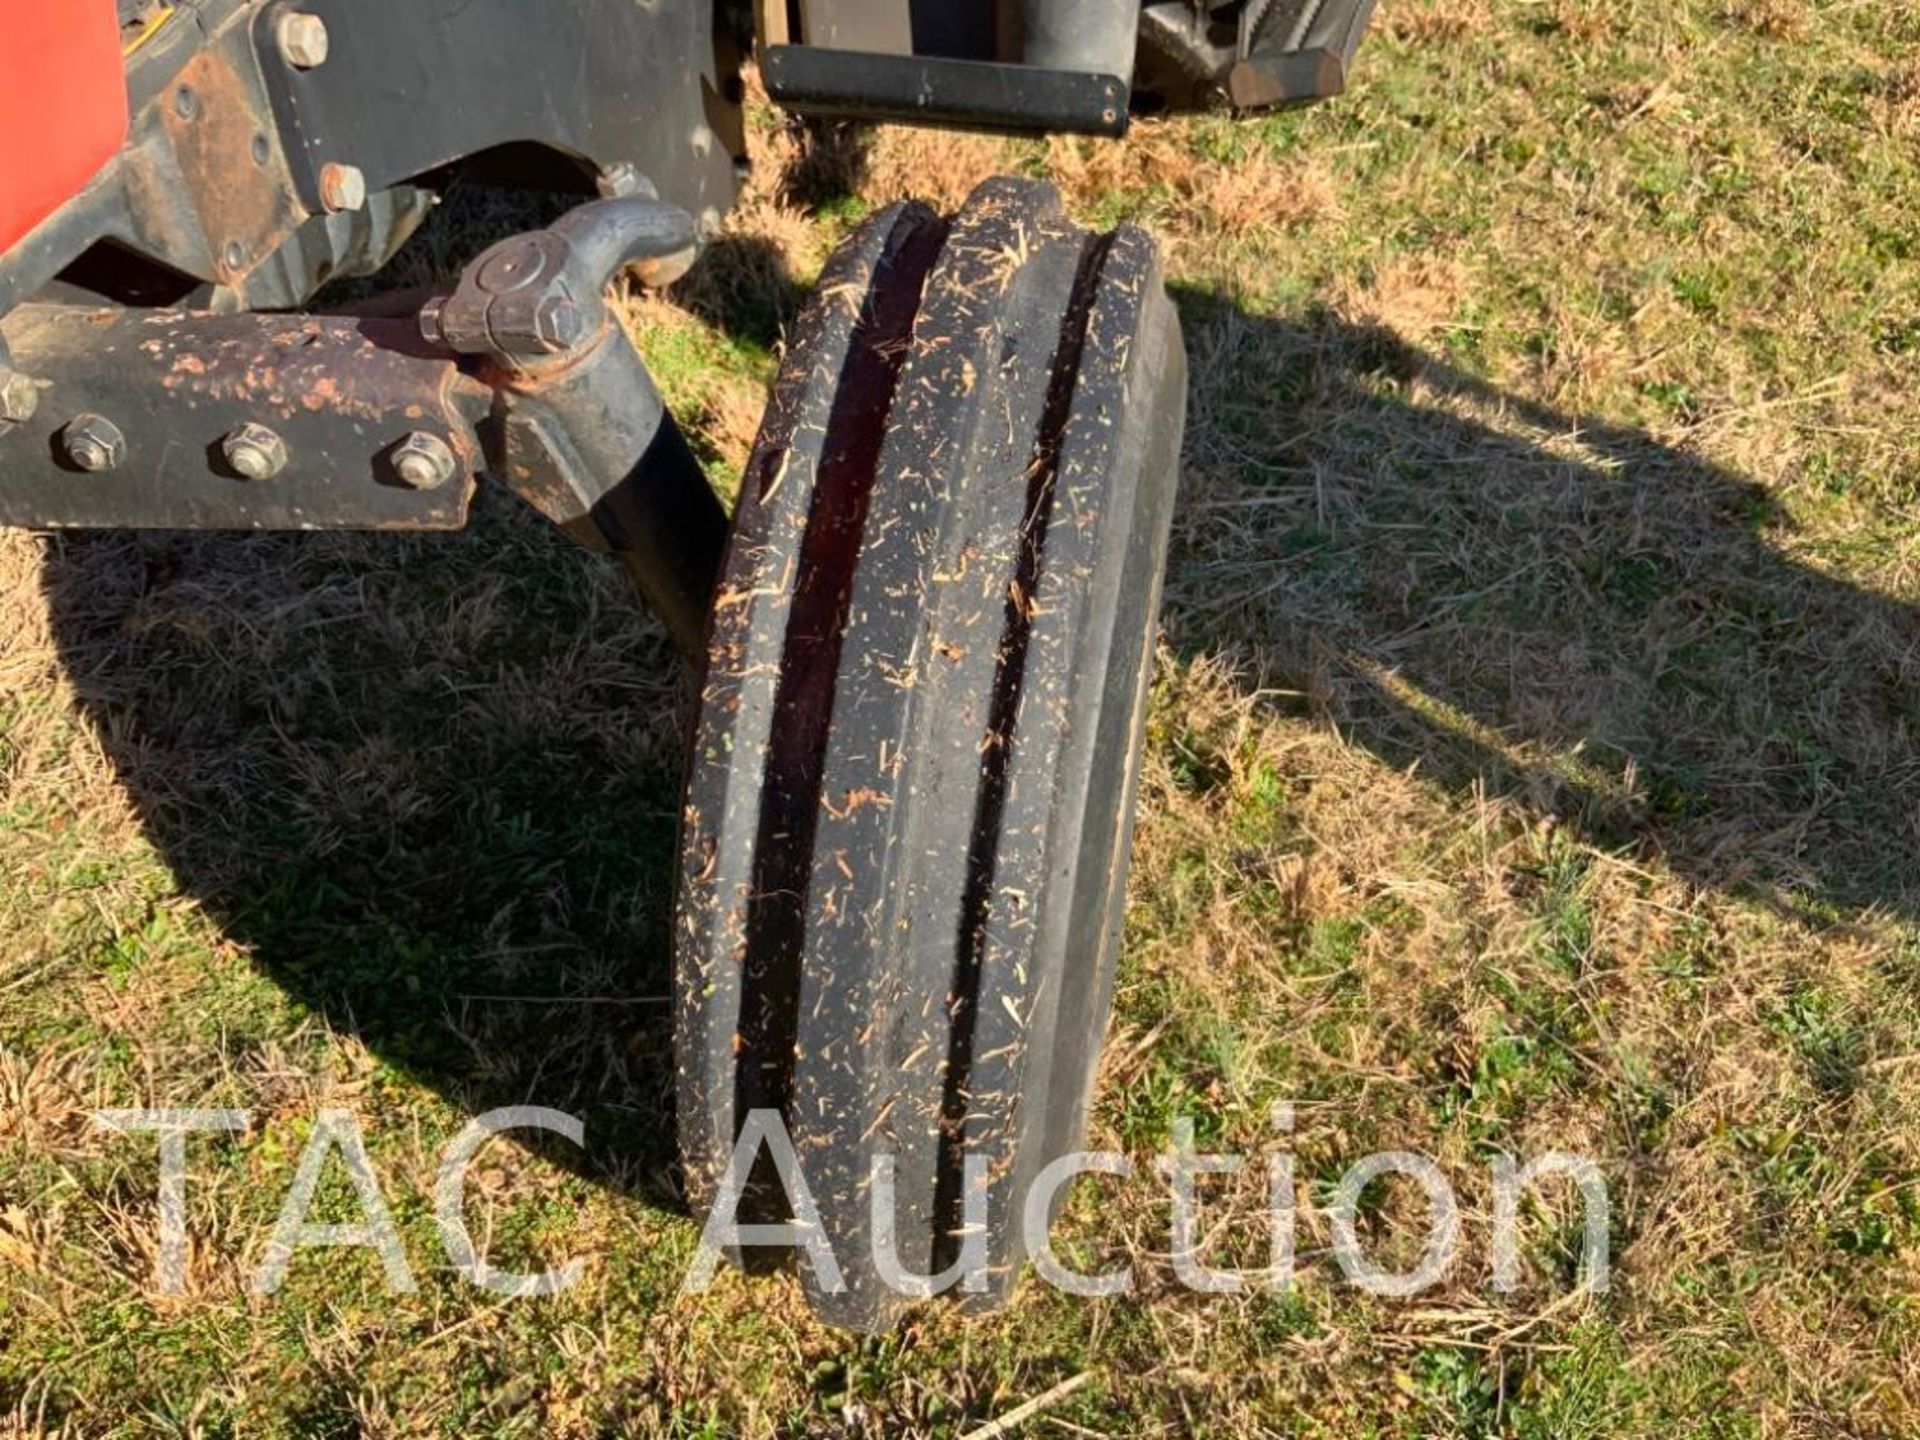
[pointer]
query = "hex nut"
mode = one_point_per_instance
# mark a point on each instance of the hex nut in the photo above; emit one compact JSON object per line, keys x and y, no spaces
{"x":432,"y":315}
{"x":342,"y":187}
{"x":623,"y":178}
{"x":423,"y":461}
{"x":93,"y":442}
{"x":303,"y":39}
{"x":254,"y":452}
{"x":19,"y":398}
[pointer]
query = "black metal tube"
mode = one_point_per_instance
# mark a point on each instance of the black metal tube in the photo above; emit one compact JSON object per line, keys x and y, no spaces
{"x":667,"y":528}
{"x":931,"y":91}
{"x":612,"y":468}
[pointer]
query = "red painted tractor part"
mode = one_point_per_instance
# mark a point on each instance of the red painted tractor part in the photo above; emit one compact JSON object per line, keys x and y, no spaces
{"x":63,"y":104}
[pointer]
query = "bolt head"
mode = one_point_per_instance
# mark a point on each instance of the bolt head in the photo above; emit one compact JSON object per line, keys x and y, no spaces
{"x":19,"y":397}
{"x":432,"y":316}
{"x":424,"y":461}
{"x":254,"y":452}
{"x":624,"y":178}
{"x":303,"y":39}
{"x":342,"y":187}
{"x":94,"y":443}
{"x":559,"y":324}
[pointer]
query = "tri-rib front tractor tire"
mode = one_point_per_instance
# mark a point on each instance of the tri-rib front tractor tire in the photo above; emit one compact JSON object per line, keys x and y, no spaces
{"x":910,"y":805}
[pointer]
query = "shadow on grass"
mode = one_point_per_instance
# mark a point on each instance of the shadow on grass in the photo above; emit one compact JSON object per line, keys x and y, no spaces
{"x":431,"y":783}
{"x":1549,"y":605}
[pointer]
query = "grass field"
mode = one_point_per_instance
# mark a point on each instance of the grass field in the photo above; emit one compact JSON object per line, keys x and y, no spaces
{"x":1534,"y":764}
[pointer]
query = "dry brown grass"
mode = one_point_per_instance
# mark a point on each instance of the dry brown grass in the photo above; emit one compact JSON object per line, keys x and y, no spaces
{"x":1436,"y":22}
{"x":1413,"y":297}
{"x":1774,"y":19}
{"x":1244,"y":200}
{"x":1900,"y":107}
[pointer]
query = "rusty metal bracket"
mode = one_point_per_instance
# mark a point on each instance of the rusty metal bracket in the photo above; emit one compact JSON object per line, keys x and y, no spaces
{"x":186,"y":419}
{"x":164,"y":419}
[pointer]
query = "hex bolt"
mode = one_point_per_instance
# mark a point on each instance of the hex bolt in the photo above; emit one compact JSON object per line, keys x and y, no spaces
{"x":342,"y":187}
{"x":621,"y":178}
{"x":254,"y":452}
{"x":423,"y":461}
{"x":19,"y":398}
{"x":303,"y":39}
{"x":559,"y":323}
{"x":431,"y":314}
{"x":93,"y":442}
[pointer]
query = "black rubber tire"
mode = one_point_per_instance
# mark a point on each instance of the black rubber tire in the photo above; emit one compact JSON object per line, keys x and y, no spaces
{"x":909,"y":810}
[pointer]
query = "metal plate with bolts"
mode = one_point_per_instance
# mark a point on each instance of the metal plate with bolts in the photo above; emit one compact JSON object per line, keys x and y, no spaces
{"x":406,"y":88}
{"x":198,"y":401}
